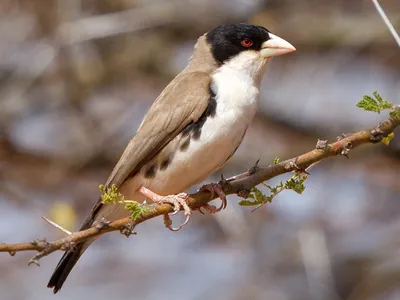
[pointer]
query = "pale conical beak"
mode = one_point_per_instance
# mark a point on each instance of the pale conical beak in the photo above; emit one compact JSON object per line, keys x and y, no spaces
{"x":275,"y":46}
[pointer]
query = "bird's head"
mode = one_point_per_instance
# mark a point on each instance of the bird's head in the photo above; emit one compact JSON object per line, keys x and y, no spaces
{"x":245,"y":47}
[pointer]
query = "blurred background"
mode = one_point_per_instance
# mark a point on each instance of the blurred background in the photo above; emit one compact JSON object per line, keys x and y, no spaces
{"x":76,"y":78}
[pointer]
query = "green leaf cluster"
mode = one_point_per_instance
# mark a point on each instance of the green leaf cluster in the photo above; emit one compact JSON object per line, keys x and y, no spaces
{"x":295,"y":183}
{"x":136,"y":209}
{"x":377,"y":104}
{"x":112,"y":196}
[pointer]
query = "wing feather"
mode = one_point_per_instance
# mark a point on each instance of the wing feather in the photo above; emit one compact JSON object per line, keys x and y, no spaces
{"x":183,"y":101}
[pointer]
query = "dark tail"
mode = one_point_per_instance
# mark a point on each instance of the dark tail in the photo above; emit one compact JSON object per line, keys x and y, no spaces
{"x":64,"y":267}
{"x":71,"y":257}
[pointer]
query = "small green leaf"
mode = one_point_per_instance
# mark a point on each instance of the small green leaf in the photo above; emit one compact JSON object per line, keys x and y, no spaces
{"x":136,"y":209}
{"x":259,"y":195}
{"x":112,"y":196}
{"x":383,"y":103}
{"x":370,"y":104}
{"x":296,"y":184}
{"x":377,"y":96}
{"x":386,"y":140}
{"x":276,"y":160}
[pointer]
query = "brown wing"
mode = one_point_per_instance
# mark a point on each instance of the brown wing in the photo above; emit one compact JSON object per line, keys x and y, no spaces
{"x":183,"y":101}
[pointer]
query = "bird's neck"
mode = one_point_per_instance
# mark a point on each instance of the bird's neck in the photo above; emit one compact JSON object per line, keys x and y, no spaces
{"x":247,"y":66}
{"x":236,"y":92}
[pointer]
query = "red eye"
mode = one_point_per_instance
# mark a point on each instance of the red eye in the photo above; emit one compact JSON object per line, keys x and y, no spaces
{"x":247,"y":42}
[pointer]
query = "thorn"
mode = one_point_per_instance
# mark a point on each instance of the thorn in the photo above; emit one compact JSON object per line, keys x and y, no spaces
{"x":224,"y":184}
{"x":257,"y":207}
{"x":34,"y":261}
{"x":254,"y":168}
{"x":302,"y":172}
{"x":67,"y":232}
{"x":310,"y":167}
{"x":321,"y":144}
{"x":127,"y":229}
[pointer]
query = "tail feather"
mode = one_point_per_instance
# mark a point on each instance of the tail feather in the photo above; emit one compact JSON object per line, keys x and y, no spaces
{"x":71,"y":257}
{"x":64,"y":267}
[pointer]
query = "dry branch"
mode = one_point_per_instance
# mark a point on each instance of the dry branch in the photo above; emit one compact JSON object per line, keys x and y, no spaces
{"x":234,"y":185}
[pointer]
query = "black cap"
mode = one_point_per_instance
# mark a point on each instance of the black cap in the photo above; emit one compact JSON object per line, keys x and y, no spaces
{"x":226,"y":40}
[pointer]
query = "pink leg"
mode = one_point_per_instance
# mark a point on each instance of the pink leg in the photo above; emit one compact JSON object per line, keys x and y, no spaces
{"x":177,"y":201}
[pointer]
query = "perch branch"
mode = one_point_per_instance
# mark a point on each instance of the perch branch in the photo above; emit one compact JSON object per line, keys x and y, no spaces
{"x":234,"y":185}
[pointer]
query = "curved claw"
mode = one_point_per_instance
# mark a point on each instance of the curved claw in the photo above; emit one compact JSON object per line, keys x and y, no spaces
{"x":168,"y":223}
{"x":174,"y":213}
{"x":180,"y":227}
{"x":216,"y":188}
{"x":222,"y":206}
{"x":176,"y":204}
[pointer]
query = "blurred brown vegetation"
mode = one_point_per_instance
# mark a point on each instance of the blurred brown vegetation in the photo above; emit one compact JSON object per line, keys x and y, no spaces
{"x":77,"y":76}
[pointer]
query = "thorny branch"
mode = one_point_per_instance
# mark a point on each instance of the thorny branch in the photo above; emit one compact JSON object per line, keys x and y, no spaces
{"x":234,"y":185}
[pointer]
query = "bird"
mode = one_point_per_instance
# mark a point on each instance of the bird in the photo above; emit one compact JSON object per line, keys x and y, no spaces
{"x":192,"y":129}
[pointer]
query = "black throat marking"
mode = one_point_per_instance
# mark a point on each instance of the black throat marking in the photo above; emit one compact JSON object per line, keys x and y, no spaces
{"x":193,"y":129}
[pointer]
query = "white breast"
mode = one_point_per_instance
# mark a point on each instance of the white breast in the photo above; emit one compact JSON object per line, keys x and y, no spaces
{"x":236,"y":89}
{"x":221,"y":134}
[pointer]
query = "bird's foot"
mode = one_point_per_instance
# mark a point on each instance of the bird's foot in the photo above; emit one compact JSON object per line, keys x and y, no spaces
{"x":177,"y":201}
{"x":214,"y":188}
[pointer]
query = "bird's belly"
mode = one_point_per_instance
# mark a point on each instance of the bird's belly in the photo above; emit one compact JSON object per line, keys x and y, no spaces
{"x":220,"y":136}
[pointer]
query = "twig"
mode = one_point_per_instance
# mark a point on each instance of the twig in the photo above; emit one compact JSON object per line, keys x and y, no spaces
{"x":387,"y":21}
{"x":196,"y":200}
{"x":57,"y":226}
